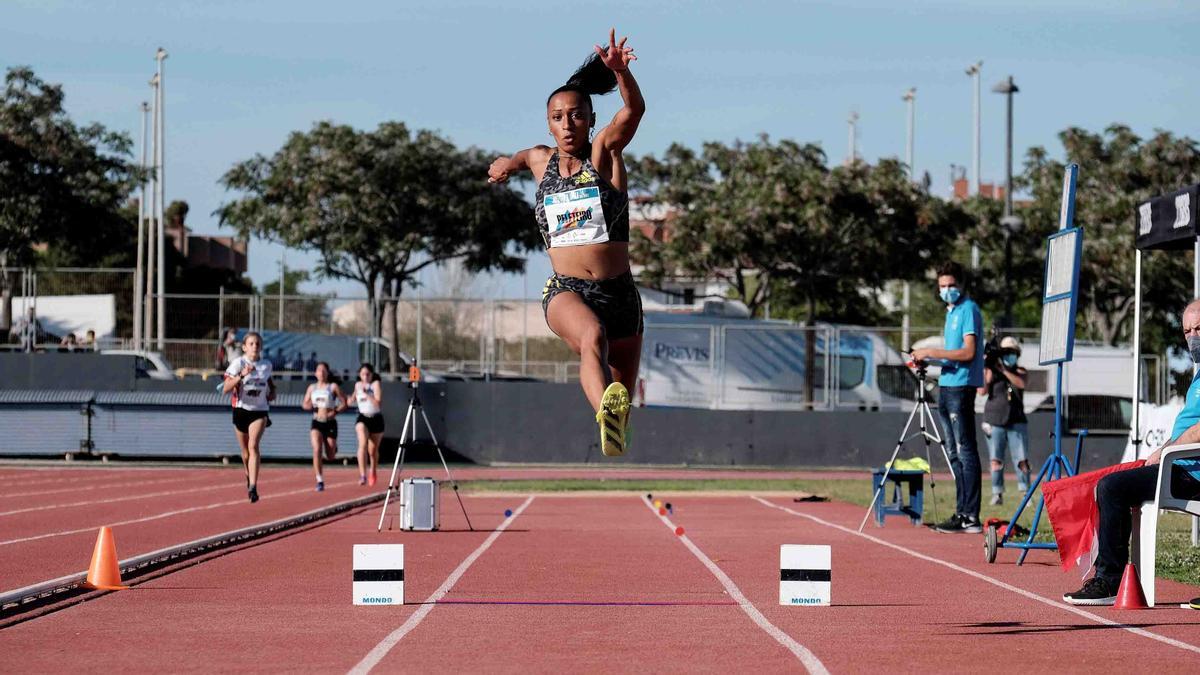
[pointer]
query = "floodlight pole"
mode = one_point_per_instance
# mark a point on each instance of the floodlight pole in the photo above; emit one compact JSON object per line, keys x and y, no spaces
{"x":910,"y":97}
{"x":152,"y":248}
{"x":1008,"y":88}
{"x":853,"y":122}
{"x":139,"y":279}
{"x":974,"y":71}
{"x":160,"y":56}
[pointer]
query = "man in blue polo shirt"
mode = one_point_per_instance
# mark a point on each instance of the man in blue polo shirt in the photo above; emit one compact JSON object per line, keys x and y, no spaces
{"x":1118,"y":492}
{"x":961,"y":359}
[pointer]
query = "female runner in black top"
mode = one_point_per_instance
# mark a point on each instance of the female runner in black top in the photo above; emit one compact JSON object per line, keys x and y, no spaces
{"x":583,"y":210}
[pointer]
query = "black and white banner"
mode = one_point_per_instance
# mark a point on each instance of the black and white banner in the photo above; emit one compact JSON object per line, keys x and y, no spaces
{"x":1167,"y":221}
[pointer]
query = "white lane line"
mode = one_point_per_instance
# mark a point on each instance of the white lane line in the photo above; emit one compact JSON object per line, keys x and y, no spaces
{"x":158,"y":516}
{"x":103,"y":486}
{"x":810,"y":660}
{"x":57,"y":478}
{"x":995,"y":582}
{"x":113,"y":500}
{"x":385,"y":645}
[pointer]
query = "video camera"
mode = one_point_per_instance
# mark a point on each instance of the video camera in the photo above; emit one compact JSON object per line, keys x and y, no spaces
{"x":991,"y":350}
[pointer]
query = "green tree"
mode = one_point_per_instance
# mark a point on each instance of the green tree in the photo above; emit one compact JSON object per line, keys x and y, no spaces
{"x":772,"y":219}
{"x":64,"y":185}
{"x":378,"y":206}
{"x":1118,"y":169}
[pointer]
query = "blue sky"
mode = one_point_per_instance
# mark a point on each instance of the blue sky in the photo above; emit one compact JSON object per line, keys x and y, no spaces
{"x":242,"y":75}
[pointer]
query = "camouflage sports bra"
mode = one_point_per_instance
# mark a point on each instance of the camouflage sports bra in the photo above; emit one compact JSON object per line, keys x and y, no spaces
{"x":582,"y":209}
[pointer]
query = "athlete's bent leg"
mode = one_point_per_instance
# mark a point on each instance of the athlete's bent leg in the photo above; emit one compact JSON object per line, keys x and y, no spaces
{"x":257,"y":427}
{"x":578,"y":326}
{"x":376,"y":439}
{"x":360,"y":430}
{"x":317,"y":441}
{"x":244,"y":444}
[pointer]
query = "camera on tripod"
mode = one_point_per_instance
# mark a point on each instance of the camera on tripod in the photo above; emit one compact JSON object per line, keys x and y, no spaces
{"x":919,"y":368}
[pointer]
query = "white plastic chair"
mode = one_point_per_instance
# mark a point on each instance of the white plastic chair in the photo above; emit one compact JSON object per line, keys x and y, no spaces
{"x":1146,"y":534}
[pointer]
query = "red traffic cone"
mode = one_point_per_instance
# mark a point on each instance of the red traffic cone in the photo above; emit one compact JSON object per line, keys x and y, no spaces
{"x":1129,"y":594}
{"x":104,"y":572}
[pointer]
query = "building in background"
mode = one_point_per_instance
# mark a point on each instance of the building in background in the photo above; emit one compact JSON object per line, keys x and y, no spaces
{"x":223,"y":253}
{"x":679,"y":292}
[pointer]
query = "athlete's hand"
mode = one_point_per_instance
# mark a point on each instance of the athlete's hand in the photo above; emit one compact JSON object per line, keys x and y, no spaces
{"x":246,"y":371}
{"x":618,"y":56}
{"x":498,"y":172}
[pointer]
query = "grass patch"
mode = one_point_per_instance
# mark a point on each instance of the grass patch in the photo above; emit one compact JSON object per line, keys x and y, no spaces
{"x":1176,"y":557}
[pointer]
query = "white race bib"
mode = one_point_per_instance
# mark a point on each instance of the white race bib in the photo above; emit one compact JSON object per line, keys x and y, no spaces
{"x":255,"y":387}
{"x":575,"y":217}
{"x":320,"y":398}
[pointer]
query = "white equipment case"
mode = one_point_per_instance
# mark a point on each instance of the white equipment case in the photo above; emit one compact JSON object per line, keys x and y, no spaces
{"x":419,"y":504}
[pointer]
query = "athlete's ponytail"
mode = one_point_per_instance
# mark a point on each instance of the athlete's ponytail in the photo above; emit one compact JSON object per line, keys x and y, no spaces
{"x":592,"y":78}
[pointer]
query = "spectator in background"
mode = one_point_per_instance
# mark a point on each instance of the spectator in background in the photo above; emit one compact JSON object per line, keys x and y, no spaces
{"x":68,"y":343}
{"x":295,"y":367}
{"x":26,"y":331}
{"x":1004,"y":412}
{"x":310,"y":367}
{"x":89,"y":341}
{"x":228,"y":351}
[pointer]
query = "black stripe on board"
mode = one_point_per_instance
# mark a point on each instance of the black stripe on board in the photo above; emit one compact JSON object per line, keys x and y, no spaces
{"x":378,"y":575}
{"x":804,"y":575}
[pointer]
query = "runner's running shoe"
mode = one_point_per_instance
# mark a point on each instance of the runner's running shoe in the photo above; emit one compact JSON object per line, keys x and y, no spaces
{"x":371,"y":478}
{"x":320,"y":486}
{"x":253,"y":492}
{"x":612,"y":418}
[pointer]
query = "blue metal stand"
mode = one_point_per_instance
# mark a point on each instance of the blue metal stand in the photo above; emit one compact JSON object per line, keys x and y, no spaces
{"x":901,"y":481}
{"x":1056,"y":466}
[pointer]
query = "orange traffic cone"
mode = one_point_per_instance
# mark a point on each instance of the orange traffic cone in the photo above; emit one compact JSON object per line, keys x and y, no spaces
{"x":104,"y":572}
{"x":1129,"y":594}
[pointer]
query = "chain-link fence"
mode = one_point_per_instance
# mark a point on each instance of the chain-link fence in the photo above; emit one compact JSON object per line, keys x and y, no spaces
{"x":67,"y":307}
{"x":718,"y":362}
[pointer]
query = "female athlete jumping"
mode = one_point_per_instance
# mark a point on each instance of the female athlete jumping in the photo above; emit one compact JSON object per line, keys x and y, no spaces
{"x":582,"y":208}
{"x":248,"y":378}
{"x":325,"y":399}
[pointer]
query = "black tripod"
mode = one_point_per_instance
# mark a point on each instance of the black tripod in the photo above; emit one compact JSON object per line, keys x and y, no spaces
{"x":410,"y":425}
{"x":921,"y":412}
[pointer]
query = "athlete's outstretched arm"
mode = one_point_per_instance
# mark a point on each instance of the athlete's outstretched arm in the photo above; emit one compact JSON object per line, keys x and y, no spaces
{"x":624,"y":124}
{"x":504,"y":167}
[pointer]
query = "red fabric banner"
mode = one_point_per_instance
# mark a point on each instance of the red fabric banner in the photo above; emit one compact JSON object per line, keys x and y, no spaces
{"x":1071,"y":506}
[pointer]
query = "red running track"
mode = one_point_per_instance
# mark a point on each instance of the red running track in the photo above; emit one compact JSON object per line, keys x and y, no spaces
{"x":602,"y":584}
{"x":49,"y":518}
{"x":50,"y":512}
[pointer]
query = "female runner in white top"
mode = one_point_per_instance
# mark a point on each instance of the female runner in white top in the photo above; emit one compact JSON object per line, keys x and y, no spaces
{"x":249,"y":380}
{"x":368,"y":398}
{"x":325,"y":399}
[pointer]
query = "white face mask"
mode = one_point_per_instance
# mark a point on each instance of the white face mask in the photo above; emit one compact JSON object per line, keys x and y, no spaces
{"x":949,"y":294}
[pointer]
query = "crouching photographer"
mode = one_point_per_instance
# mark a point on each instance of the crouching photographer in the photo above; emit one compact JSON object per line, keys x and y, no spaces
{"x":1004,"y":412}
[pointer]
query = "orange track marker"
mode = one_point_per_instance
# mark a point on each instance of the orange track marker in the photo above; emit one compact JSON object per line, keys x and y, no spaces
{"x":1129,"y":594}
{"x":104,"y":573}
